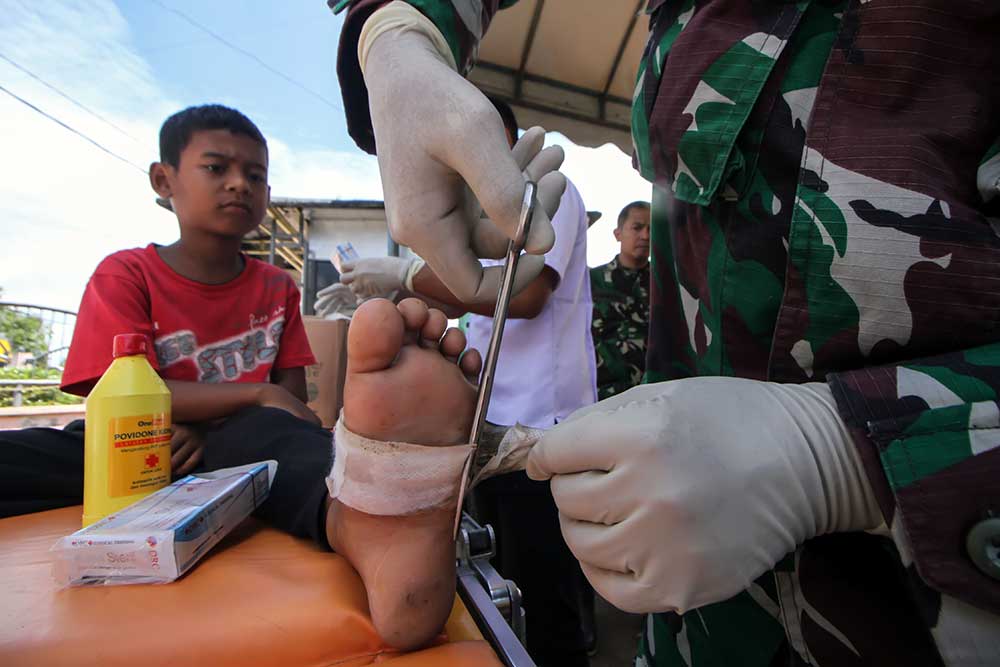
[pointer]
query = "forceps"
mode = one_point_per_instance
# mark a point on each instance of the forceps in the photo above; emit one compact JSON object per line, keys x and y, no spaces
{"x":514,"y":249}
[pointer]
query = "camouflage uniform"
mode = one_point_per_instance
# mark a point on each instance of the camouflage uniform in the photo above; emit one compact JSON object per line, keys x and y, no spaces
{"x":824,"y":209}
{"x":619,"y":326}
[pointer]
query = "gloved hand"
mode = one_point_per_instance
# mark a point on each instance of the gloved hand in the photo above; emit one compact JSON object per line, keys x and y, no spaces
{"x":380,"y":276}
{"x":680,"y":494}
{"x":336,"y":299}
{"x":437,"y":137}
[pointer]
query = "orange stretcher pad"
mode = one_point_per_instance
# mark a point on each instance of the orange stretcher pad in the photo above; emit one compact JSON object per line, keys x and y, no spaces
{"x":260,"y":598}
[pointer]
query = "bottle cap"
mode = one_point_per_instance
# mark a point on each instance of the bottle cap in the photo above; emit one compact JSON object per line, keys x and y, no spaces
{"x":127,"y":345}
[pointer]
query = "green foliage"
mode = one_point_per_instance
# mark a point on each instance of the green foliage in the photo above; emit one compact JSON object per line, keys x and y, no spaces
{"x":23,"y":332}
{"x":34,"y":395}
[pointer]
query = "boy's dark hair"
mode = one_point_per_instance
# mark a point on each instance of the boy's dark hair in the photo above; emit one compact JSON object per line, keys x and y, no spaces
{"x":623,"y":216}
{"x":506,"y":115}
{"x":177,"y":130}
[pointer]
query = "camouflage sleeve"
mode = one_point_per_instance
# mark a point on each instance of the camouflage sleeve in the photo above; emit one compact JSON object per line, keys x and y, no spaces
{"x":929,"y":434}
{"x":462,"y":22}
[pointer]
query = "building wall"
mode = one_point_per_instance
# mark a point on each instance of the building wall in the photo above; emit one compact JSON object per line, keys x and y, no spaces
{"x":364,"y":228}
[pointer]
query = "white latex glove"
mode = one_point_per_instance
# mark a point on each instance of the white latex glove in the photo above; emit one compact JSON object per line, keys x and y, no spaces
{"x":680,"y":494}
{"x":380,"y":276}
{"x":336,"y":299}
{"x":438,"y":137}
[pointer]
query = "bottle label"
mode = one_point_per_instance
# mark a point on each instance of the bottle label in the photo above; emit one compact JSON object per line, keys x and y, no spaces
{"x":140,"y":454}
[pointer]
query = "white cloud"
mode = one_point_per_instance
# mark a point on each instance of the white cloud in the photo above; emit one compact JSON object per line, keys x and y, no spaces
{"x":64,"y":204}
{"x":322,"y":174}
{"x":606,"y":180}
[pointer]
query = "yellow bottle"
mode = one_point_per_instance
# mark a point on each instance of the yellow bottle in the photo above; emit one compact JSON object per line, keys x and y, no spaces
{"x":127,"y":435}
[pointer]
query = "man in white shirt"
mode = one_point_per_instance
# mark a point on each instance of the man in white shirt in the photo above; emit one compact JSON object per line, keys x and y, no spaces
{"x":546,"y":368}
{"x":545,"y":372}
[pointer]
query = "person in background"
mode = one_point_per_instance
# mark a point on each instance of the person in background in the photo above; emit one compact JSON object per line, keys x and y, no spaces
{"x":546,"y":372}
{"x":620,"y":290}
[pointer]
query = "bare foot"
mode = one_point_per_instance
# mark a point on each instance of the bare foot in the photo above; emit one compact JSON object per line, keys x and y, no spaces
{"x":404,"y":383}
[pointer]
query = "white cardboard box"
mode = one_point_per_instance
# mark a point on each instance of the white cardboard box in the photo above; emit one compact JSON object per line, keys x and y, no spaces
{"x":162,"y":536}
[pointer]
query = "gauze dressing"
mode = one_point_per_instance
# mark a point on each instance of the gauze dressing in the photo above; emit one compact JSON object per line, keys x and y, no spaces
{"x":393,"y":478}
{"x":503,"y":449}
{"x":399,"y":478}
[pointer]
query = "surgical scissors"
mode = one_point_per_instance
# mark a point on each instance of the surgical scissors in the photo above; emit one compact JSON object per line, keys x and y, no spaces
{"x":514,"y":249}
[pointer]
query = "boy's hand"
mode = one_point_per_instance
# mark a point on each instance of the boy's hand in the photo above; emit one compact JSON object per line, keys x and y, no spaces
{"x":186,"y":445}
{"x":276,"y":396}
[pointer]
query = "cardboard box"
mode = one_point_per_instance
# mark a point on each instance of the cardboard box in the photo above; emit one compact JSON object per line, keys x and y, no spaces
{"x":325,"y":379}
{"x":162,"y":536}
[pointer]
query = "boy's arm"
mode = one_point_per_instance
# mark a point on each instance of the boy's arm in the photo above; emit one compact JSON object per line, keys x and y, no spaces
{"x":195,"y":403}
{"x":293,"y":380}
{"x":201,"y":401}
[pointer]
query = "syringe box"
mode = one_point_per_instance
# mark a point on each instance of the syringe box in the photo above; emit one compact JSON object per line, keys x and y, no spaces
{"x":159,"y":538}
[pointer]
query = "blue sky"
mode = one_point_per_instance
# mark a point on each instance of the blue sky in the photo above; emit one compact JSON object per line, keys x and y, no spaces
{"x":298,"y":39}
{"x":64,"y":204}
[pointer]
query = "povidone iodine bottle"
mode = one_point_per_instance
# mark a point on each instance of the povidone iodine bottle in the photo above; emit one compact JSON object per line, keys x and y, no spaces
{"x":127,"y":436}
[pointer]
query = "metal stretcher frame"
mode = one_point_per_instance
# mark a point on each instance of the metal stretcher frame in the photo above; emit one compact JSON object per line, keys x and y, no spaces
{"x":488,"y":596}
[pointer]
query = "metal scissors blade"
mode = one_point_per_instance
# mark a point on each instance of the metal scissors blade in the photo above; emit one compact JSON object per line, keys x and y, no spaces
{"x":514,"y":249}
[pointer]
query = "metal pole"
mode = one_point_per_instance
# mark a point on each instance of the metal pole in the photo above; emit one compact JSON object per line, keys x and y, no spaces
{"x":308,"y":284}
{"x":271,"y":248}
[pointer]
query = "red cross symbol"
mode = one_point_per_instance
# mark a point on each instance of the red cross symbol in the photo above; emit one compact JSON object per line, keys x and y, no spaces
{"x":152,"y":460}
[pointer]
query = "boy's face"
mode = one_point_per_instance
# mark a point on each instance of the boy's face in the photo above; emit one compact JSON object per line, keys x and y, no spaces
{"x":219,"y":187}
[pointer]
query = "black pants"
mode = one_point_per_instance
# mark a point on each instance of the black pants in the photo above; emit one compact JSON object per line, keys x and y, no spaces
{"x":531,"y":551}
{"x":42,"y":468}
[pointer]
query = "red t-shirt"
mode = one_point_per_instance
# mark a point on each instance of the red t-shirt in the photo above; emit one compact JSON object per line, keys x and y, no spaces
{"x":234,"y":332}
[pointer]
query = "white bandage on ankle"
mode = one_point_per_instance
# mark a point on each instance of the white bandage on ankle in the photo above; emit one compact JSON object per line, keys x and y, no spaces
{"x":393,"y":478}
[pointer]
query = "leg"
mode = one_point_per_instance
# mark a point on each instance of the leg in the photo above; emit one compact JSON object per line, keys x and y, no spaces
{"x":298,"y":499}
{"x":403,"y":384}
{"x":40,"y":469}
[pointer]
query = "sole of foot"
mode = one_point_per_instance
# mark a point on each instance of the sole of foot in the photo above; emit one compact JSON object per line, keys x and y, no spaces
{"x":408,"y":381}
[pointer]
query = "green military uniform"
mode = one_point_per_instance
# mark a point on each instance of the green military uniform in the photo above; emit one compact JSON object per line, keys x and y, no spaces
{"x":619,"y":326}
{"x":826,"y":209}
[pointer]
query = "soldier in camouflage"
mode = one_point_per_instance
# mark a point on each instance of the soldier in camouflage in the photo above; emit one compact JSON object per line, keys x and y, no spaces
{"x":825,"y":226}
{"x":620,"y":290}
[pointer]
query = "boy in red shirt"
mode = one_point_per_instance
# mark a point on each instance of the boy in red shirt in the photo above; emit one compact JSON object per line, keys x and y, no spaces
{"x":227,"y":335}
{"x":229,"y":342}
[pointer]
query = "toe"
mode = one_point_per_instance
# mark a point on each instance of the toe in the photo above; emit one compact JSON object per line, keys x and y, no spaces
{"x":434,"y":327}
{"x":375,"y":336}
{"x":415,"y":314}
{"x":471,"y":364}
{"x":453,"y":344}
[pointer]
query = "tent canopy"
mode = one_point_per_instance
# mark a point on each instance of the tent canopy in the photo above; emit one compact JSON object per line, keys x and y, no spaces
{"x":567,"y":65}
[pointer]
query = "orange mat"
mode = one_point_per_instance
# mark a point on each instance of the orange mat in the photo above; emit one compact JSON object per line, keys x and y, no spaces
{"x":259,"y":598}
